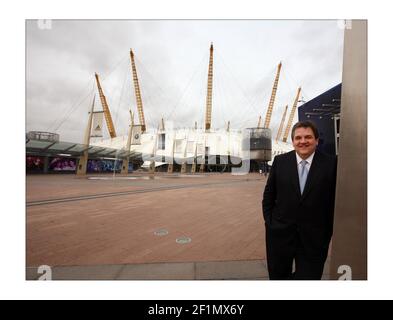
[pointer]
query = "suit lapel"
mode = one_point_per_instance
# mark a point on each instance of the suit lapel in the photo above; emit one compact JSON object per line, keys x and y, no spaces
{"x":294,"y":175}
{"x":312,"y":176}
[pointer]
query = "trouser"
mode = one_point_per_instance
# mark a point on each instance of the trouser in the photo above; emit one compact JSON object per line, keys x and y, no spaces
{"x":280,"y":260}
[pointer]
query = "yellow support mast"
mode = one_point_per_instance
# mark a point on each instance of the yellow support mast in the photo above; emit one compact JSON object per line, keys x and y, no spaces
{"x":194,"y":163}
{"x":272,"y":98}
{"x":282,"y":124}
{"x":208,"y":115}
{"x":259,"y":122}
{"x":170,"y":165}
{"x":292,"y":115}
{"x":138,"y":94}
{"x":82,"y":163}
{"x":105,"y":107}
{"x":126,"y":161}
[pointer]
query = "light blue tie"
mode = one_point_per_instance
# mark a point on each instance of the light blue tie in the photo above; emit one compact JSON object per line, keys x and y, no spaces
{"x":303,"y":175}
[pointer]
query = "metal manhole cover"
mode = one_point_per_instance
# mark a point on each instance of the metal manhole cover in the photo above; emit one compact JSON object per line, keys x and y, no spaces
{"x":183,"y":240}
{"x":161,"y":232}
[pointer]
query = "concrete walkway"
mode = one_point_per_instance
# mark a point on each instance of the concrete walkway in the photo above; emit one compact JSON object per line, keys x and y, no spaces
{"x":213,"y":270}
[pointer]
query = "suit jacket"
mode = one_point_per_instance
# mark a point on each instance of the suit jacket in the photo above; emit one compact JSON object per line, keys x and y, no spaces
{"x":308,"y":216}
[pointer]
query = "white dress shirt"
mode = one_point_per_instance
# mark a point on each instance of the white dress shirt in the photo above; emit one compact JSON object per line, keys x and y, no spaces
{"x":308,"y":164}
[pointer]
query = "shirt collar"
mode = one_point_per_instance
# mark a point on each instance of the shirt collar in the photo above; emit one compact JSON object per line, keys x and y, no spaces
{"x":309,"y":159}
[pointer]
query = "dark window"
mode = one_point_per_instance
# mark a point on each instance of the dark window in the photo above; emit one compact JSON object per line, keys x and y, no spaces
{"x":161,"y":141}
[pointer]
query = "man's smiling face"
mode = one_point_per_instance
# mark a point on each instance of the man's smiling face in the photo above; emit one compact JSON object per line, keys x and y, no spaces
{"x":304,"y":142}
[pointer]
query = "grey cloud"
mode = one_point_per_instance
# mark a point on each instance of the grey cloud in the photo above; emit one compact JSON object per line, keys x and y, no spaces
{"x":61,"y":63}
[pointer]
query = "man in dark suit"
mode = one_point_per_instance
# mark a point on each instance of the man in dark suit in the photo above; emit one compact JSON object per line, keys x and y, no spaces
{"x":298,"y":208}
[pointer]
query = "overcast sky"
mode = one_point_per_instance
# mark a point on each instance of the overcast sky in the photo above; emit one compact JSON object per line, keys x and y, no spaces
{"x":172,"y":63}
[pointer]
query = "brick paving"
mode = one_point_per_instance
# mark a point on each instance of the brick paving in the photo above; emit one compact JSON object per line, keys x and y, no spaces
{"x":221,"y":214}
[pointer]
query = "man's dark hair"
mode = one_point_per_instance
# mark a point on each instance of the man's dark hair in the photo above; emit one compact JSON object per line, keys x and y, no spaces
{"x":305,"y":124}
